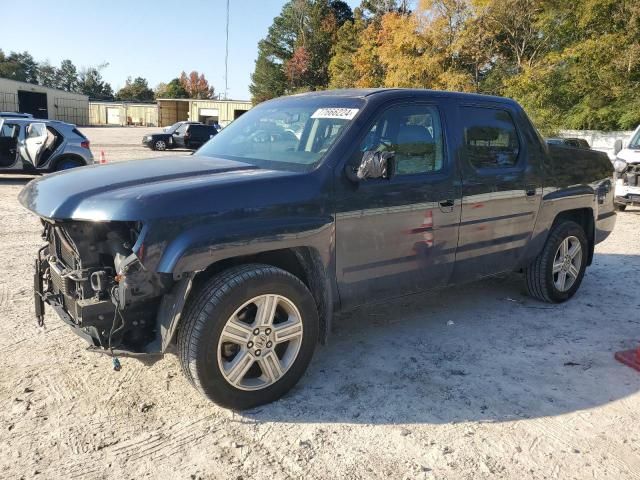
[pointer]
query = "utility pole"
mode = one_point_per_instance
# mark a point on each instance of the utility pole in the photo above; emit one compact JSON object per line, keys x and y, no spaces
{"x":226,"y":59}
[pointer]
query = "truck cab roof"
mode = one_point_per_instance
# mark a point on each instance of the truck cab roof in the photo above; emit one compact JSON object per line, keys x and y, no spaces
{"x":395,"y":92}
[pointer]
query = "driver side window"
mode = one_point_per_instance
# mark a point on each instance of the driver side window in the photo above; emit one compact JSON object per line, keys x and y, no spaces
{"x":414,"y":133}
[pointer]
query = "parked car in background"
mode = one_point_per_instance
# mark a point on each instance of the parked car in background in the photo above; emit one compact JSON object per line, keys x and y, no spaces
{"x":41,"y":146}
{"x":570,"y":142}
{"x":237,"y":258}
{"x":189,"y":135}
{"x":15,"y":115}
{"x":627,"y":167}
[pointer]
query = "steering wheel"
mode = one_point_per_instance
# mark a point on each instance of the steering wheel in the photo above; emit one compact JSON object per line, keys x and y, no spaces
{"x":261,"y":136}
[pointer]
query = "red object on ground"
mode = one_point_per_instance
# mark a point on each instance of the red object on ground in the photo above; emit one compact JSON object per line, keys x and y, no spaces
{"x":630,"y":358}
{"x":103,"y":159}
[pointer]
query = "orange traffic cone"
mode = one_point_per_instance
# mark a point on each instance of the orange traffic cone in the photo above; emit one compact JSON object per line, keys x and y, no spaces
{"x":103,"y":159}
{"x":631,"y":358}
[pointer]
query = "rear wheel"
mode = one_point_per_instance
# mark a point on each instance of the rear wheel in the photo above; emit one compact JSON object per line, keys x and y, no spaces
{"x":621,"y":207}
{"x":248,"y":335}
{"x":557,"y":272}
{"x":67,"y":164}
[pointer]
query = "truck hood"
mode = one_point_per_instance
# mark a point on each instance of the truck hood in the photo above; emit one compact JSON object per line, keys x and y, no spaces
{"x":144,"y":189}
{"x":629,"y":155}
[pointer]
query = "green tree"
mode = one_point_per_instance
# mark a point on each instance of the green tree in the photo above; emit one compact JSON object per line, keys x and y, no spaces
{"x":67,"y":76}
{"x":341,"y":11}
{"x":91,"y":83}
{"x":135,"y":90}
{"x":47,"y":75}
{"x":376,"y":9}
{"x":590,"y":75}
{"x":268,"y":79}
{"x":173,"y":89}
{"x":341,"y":66}
{"x":19,"y":66}
{"x":295,"y":54}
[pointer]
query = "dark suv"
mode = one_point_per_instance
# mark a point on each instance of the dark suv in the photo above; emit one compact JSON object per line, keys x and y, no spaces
{"x":237,"y":258}
{"x":189,"y":135}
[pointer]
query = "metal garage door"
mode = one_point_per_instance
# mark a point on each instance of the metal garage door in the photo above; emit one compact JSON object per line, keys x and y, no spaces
{"x":34,"y":103}
{"x":113,"y":116}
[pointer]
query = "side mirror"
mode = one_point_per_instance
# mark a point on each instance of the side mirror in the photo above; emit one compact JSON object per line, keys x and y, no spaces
{"x":373,"y":165}
{"x":617,"y":146}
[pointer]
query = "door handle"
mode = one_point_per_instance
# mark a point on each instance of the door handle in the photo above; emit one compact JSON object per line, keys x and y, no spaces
{"x":530,"y":190}
{"x":447,"y":203}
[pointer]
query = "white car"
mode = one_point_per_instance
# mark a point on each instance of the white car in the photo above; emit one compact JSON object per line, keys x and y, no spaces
{"x":627,"y":167}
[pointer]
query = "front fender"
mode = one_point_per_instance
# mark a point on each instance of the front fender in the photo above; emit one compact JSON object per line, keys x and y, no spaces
{"x":196,"y":248}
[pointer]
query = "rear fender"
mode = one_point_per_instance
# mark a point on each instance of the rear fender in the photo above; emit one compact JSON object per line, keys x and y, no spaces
{"x":572,"y":204}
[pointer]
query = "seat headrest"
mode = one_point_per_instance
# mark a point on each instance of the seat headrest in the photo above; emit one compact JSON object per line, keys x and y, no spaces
{"x":413,"y":134}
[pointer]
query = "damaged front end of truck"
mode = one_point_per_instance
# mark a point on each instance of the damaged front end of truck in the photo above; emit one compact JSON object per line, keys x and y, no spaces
{"x":92,"y":275}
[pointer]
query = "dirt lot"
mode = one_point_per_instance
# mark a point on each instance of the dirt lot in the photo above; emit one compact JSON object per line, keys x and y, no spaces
{"x":512,"y":389}
{"x":124,"y":143}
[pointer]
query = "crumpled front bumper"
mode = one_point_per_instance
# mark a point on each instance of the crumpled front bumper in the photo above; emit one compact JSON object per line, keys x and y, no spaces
{"x":627,"y":195}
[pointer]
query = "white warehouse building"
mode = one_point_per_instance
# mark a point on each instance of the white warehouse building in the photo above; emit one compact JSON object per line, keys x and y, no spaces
{"x":43,"y":102}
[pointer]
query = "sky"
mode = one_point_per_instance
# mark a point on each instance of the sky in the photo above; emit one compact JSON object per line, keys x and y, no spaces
{"x":153,"y":39}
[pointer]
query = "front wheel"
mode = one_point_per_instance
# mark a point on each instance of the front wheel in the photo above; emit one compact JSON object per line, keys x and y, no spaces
{"x":160,"y":145}
{"x":248,"y":335}
{"x":557,"y":272}
{"x":621,"y":207}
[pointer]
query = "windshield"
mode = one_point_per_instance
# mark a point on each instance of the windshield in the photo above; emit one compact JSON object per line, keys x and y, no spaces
{"x":173,"y":127}
{"x":635,"y":141}
{"x":292,"y":133}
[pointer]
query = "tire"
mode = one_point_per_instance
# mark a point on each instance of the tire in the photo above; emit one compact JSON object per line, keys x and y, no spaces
{"x":541,"y":281}
{"x":67,"y":164}
{"x":160,"y":145}
{"x":621,"y":207}
{"x":208,"y":356}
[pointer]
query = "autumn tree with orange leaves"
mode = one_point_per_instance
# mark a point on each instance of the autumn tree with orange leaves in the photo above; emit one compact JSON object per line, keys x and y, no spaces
{"x":570,"y":64}
{"x":196,"y":85}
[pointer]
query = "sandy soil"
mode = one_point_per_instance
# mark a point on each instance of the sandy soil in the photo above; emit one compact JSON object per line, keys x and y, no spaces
{"x":512,"y":389}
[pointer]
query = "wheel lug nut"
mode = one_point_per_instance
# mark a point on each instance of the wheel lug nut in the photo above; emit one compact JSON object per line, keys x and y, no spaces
{"x":269,"y":344}
{"x":268,"y":331}
{"x":250,"y":345}
{"x":258,"y":353}
{"x":256,"y":331}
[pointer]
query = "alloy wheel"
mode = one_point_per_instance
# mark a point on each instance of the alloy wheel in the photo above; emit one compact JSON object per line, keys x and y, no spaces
{"x":260,"y":342}
{"x":567,"y":263}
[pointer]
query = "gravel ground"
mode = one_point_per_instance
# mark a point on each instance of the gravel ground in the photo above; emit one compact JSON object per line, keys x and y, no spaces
{"x":513,"y":388}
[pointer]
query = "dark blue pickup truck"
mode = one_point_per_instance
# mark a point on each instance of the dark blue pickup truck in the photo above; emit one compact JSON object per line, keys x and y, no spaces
{"x":237,"y":258}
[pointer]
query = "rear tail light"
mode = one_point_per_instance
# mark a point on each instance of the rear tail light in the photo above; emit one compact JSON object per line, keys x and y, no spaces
{"x":85,"y":144}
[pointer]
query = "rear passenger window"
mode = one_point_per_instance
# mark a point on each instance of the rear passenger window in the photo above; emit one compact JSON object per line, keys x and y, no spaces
{"x":490,"y":138}
{"x":79,"y":133}
{"x":414,"y":133}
